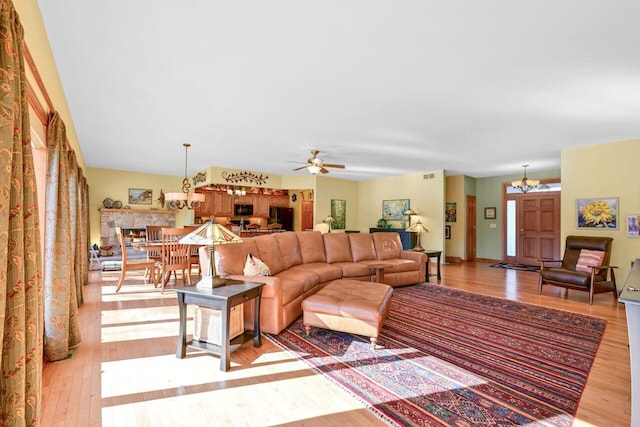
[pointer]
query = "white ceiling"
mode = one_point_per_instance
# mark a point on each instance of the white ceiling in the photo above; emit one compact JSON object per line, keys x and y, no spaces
{"x":385,"y":87}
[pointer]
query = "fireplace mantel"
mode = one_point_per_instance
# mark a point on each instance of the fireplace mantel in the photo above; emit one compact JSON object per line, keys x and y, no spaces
{"x":130,"y":219}
{"x":163,"y":211}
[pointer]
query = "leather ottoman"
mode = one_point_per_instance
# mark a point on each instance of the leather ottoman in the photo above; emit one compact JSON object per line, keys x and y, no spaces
{"x":351,"y":306}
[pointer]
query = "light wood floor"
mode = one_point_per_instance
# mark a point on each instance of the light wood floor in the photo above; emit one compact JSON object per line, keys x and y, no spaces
{"x":125,"y":371}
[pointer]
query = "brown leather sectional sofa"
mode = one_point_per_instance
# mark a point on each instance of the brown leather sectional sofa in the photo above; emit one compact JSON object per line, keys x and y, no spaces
{"x":302,"y":262}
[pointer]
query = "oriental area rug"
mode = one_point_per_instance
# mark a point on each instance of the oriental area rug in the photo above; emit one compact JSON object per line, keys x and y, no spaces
{"x":452,"y":357}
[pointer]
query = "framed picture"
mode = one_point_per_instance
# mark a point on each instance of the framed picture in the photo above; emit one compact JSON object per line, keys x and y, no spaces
{"x":450,"y":212}
{"x":597,"y":213}
{"x":392,"y":209}
{"x":339,"y":214}
{"x":633,"y":225}
{"x":489,"y":213}
{"x":447,"y":232}
{"x":138,"y":196}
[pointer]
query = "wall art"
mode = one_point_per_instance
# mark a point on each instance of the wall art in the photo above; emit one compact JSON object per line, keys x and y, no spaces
{"x":601,"y":213}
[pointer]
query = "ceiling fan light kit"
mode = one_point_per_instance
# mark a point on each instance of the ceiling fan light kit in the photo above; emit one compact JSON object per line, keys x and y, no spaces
{"x":316,"y":165}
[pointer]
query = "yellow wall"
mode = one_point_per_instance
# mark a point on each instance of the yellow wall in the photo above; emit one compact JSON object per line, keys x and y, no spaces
{"x":339,"y":189}
{"x":426,"y":196}
{"x":604,"y":170}
{"x":455,"y":246}
{"x":115,"y":185}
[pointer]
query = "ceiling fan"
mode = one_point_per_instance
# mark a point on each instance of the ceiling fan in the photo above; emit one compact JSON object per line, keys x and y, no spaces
{"x":316,"y":164}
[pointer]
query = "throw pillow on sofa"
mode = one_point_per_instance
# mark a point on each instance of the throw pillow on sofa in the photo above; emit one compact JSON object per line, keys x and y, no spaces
{"x":589,"y":258}
{"x":255,"y":267}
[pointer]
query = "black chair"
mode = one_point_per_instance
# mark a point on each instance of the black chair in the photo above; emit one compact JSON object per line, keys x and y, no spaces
{"x":565,"y":275}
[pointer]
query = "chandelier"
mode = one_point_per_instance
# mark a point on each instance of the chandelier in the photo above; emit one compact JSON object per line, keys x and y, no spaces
{"x":525,"y":184}
{"x":237,"y":192}
{"x":185,"y":199}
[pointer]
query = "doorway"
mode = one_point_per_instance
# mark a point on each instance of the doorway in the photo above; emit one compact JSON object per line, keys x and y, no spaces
{"x":470,"y":253}
{"x":307,"y":215}
{"x":531,"y":226}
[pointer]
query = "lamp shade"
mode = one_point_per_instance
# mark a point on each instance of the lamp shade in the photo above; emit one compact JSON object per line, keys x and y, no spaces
{"x":418,"y":227}
{"x":210,"y":233}
{"x":409,"y":212}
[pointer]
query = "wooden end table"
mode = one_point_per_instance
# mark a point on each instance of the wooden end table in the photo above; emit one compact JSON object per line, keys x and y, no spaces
{"x":222,"y":298}
{"x":432,"y":254}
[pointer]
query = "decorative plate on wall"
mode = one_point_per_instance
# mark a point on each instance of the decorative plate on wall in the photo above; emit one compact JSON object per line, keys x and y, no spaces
{"x":117,"y":204}
{"x":107,"y":203}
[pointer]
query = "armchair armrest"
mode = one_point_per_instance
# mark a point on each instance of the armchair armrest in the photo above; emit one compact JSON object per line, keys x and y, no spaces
{"x":272,"y":288}
{"x":542,"y":261}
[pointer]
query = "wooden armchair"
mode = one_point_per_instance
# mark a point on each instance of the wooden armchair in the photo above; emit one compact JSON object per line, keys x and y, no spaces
{"x":573,"y":272}
{"x":138,"y":264}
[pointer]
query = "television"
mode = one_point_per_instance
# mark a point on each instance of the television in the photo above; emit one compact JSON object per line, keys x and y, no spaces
{"x":243,"y":210}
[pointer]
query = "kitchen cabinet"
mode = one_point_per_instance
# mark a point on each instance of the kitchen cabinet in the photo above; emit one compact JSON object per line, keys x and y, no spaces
{"x":206,"y":208}
{"x":223,"y":204}
{"x":279,"y":201}
{"x":261,"y":206}
{"x":244,"y":200}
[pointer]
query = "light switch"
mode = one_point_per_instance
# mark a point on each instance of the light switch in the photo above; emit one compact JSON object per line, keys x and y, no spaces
{"x":492,"y":225}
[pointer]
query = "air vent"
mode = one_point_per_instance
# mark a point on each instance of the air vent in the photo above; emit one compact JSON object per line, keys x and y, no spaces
{"x":428,"y":176}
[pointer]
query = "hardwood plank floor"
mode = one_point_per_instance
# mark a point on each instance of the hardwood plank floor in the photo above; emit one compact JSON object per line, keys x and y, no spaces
{"x":125,"y":371}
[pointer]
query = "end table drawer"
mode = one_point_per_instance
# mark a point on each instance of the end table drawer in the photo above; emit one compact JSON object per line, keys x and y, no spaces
{"x":208,"y":324}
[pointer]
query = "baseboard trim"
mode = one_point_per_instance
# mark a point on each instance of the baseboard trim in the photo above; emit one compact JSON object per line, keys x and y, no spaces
{"x":492,"y":261}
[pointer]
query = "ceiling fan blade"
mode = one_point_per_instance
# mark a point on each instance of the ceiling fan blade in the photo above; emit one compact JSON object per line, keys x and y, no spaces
{"x":323,"y":170}
{"x":331,"y":165}
{"x":300,"y":168}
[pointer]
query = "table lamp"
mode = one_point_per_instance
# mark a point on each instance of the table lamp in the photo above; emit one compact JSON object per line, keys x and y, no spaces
{"x":409,"y":213}
{"x":329,"y":220}
{"x":419,"y":228}
{"x":210,"y":234}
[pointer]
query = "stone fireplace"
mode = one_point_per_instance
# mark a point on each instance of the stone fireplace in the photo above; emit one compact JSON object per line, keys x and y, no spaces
{"x":133,"y":222}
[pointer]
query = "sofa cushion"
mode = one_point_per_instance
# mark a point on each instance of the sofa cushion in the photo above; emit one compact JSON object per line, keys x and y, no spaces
{"x":269,"y":252}
{"x":337,"y":247}
{"x":326,"y":272}
{"x":233,"y":256}
{"x":362,"y":247}
{"x":388,"y":245}
{"x":403,"y":264}
{"x":354,"y":269}
{"x":289,"y":249}
{"x":296,"y":283}
{"x":563,"y":275}
{"x":311,"y":246}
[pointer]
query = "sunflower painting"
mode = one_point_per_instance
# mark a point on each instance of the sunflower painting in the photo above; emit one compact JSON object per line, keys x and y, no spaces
{"x":598,"y":213}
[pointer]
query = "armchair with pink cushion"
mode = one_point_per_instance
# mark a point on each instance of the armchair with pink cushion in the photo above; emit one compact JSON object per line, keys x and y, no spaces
{"x":584,"y":267}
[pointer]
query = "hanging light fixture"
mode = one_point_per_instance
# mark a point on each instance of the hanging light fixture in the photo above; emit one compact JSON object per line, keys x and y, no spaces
{"x":525,"y":184}
{"x":236,"y":192}
{"x":184,"y":199}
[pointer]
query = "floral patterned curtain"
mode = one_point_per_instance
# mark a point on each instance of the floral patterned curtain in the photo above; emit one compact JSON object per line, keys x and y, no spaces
{"x":21,"y":295}
{"x":61,"y":278}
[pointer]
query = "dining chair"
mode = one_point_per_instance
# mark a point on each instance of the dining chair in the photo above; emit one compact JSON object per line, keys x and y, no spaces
{"x":274,"y":226}
{"x":194,"y":258}
{"x":175,"y":256}
{"x":134,"y":264}
{"x":153,"y":233}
